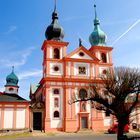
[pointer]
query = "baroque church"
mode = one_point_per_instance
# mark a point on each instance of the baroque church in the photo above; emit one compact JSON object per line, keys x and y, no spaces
{"x":65,"y":74}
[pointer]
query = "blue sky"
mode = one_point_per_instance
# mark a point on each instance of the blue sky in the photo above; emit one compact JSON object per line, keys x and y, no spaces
{"x":23,"y":24}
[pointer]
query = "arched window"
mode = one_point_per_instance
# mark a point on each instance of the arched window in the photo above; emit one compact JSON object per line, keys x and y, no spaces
{"x":103,"y":57}
{"x":56,"y":114}
{"x":82,"y":93}
{"x":11,"y":89}
{"x":56,"y":53}
{"x":56,"y":102}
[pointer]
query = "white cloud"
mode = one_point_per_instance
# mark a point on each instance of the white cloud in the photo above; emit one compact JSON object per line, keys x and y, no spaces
{"x":2,"y":89}
{"x":129,"y":29}
{"x":17,"y":58}
{"x":11,"y":29}
{"x":28,"y":74}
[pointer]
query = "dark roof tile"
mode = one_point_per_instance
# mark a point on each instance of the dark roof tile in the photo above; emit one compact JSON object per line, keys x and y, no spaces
{"x":7,"y":97}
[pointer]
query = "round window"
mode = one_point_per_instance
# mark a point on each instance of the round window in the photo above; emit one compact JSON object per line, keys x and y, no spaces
{"x":56,"y":68}
{"x":104,"y":71}
{"x":81,"y":54}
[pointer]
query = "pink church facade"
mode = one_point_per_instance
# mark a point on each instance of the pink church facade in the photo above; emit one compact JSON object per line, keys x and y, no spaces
{"x":64,"y":76}
{"x":67,"y":74}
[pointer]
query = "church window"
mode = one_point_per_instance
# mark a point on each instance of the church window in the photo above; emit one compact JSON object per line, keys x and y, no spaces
{"x":82,"y":93}
{"x":81,"y":54}
{"x":104,"y":72}
{"x":56,"y":91}
{"x":56,"y":68}
{"x":56,"y":102}
{"x":56,"y":54}
{"x":103,"y":57}
{"x":82,"y":70}
{"x":56,"y":114}
{"x":11,"y":89}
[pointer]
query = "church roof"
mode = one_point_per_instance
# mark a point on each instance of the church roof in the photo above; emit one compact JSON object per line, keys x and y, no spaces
{"x":6,"y":97}
{"x":33,"y":88}
{"x":12,"y":79}
{"x":97,"y":37}
{"x":54,"y":31}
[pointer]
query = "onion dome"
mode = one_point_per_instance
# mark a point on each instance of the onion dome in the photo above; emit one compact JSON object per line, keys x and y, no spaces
{"x":54,"y":31}
{"x":12,"y":79}
{"x":97,"y":37}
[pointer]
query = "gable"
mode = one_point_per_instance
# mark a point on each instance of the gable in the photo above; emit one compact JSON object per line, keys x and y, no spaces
{"x":33,"y":88}
{"x":82,"y":53}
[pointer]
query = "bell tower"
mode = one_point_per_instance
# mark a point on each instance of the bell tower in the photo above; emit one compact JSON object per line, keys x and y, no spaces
{"x":11,"y":86}
{"x":97,"y":40}
{"x":54,"y":48}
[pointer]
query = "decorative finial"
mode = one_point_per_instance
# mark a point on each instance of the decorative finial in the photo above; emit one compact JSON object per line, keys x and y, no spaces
{"x":96,"y":20}
{"x":54,"y":14}
{"x":12,"y":68}
{"x":80,"y":42}
{"x":54,"y":5}
{"x":95,"y":11}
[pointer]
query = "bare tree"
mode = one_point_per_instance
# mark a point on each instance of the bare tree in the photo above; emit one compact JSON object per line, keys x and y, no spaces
{"x":112,"y":93}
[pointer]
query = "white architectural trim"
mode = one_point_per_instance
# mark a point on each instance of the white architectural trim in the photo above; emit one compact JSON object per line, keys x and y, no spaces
{"x":56,"y":122}
{"x":77,"y":56}
{"x":8,"y":118}
{"x":51,"y":52}
{"x":20,"y":118}
{"x":69,"y":68}
{"x":59,"y":72}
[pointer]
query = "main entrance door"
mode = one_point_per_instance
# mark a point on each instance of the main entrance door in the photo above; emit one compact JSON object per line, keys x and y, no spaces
{"x":37,"y":121}
{"x":84,"y":121}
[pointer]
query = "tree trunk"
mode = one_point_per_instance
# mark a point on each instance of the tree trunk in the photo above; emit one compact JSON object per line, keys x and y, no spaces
{"x":120,"y":135}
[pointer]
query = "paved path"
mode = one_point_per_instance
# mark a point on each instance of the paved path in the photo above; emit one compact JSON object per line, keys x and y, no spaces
{"x":70,"y":137}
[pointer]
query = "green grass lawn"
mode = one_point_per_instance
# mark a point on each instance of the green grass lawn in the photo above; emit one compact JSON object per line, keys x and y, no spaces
{"x":27,"y":134}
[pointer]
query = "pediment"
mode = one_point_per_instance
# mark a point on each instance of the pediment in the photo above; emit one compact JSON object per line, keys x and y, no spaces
{"x":82,"y":53}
